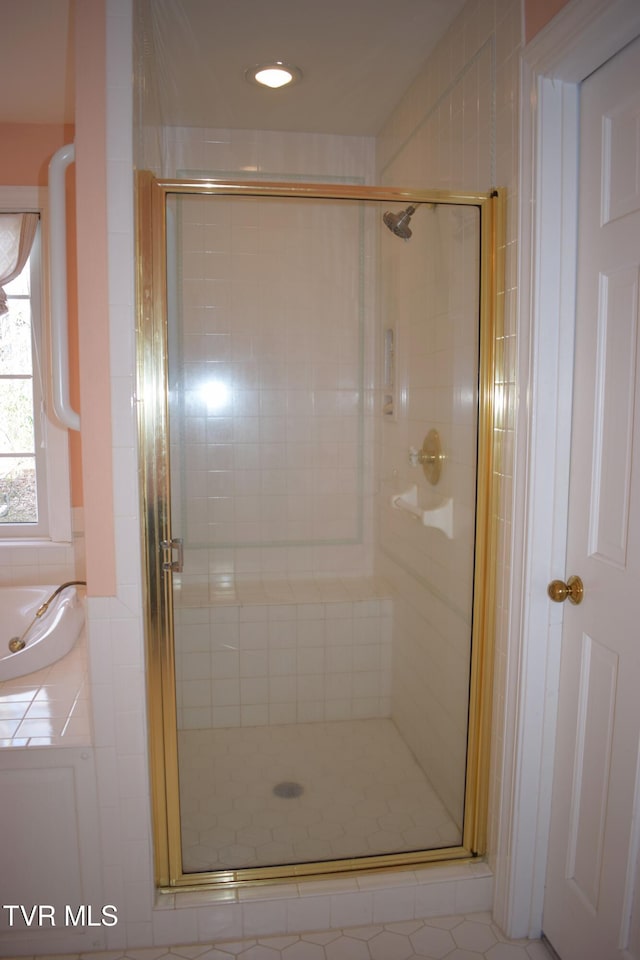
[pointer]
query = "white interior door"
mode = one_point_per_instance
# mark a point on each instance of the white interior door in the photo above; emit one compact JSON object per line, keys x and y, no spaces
{"x":592,"y":898}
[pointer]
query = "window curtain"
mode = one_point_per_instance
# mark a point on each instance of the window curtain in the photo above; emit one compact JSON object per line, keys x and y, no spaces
{"x":17,"y":231}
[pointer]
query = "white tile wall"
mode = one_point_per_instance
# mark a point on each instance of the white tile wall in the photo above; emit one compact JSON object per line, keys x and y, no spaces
{"x":456,"y":128}
{"x":430,"y":291}
{"x":271,"y":154}
{"x":300,"y":414}
{"x":272,"y":663}
{"x":321,"y":905}
{"x":116,"y":645}
{"x":29,"y":565}
{"x":267,"y":408}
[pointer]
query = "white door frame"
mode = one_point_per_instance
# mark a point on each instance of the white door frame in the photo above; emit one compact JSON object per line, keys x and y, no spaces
{"x":581,"y":38}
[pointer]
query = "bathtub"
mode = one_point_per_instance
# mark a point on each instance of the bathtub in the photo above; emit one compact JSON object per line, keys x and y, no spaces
{"x":50,"y":637}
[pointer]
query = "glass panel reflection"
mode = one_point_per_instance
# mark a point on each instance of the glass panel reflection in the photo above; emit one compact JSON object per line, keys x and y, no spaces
{"x":322,"y":635}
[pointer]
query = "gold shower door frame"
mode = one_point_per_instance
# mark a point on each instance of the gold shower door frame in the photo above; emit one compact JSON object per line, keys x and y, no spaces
{"x":152,"y":395}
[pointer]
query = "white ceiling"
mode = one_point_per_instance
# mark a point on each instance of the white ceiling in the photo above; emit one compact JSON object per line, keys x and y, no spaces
{"x":357,"y":59}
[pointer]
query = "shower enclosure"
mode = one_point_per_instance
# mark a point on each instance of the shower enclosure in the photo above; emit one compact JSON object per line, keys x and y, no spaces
{"x":317,"y":424}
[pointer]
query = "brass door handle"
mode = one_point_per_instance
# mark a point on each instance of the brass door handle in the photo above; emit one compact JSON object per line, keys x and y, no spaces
{"x":572,"y":590}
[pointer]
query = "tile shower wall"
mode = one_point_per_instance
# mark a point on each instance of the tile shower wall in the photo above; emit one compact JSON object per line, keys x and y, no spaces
{"x":272,"y":435}
{"x":282,"y":320}
{"x":431,"y":298}
{"x":455,"y":128}
{"x":257,"y":664}
{"x":266,"y":371}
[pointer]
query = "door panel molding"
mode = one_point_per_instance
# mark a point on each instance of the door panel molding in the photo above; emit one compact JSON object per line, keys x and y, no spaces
{"x":614,"y":403}
{"x":596,"y":700}
{"x":621,"y":161}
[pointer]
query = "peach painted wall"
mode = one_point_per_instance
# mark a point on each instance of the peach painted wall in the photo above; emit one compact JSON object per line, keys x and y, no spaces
{"x":29,"y":147}
{"x":25,"y":164}
{"x":93,"y":296}
{"x":538,"y":13}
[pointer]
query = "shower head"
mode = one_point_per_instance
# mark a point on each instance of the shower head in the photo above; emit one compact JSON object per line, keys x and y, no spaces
{"x":398,"y":223}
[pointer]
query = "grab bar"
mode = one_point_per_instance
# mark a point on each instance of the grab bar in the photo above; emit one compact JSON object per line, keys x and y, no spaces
{"x":62,"y":408}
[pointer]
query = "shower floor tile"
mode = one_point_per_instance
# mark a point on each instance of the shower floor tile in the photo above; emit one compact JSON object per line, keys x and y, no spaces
{"x":294,"y":793}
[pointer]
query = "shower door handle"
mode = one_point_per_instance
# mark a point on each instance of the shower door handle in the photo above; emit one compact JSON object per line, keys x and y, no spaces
{"x":170,"y":565}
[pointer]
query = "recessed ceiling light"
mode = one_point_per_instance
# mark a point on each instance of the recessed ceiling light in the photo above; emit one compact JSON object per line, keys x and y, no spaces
{"x":274,"y":75}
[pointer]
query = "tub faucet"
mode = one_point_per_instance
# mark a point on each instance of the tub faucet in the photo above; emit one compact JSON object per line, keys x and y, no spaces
{"x":19,"y":643}
{"x":42,"y":609}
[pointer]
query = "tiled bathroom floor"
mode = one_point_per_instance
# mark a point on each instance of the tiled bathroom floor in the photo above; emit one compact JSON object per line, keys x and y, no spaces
{"x":256,"y":796}
{"x":472,"y":937}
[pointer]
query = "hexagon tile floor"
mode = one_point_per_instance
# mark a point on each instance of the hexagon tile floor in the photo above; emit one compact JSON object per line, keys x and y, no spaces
{"x":290,"y":793}
{"x":473,"y":937}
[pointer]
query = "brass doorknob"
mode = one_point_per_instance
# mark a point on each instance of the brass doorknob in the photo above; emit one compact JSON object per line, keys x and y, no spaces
{"x":572,"y":590}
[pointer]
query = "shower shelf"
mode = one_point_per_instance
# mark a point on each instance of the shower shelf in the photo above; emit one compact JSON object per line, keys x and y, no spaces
{"x":439,"y":517}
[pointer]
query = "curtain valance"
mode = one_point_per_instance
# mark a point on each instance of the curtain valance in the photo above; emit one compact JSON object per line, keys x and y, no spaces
{"x":17,"y":231}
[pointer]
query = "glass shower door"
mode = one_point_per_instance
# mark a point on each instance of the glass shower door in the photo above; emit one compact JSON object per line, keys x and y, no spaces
{"x":323,"y":620}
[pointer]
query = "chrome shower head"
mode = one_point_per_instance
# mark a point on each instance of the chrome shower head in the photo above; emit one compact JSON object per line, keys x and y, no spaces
{"x":398,"y":223}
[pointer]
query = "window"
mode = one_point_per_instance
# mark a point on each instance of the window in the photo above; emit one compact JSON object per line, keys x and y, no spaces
{"x":34,"y":475}
{"x":21,"y":477}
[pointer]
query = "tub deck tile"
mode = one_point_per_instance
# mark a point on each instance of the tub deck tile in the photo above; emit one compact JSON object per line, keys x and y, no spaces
{"x":49,"y":708}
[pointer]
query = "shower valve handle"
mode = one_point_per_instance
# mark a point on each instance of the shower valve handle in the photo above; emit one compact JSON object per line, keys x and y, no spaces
{"x":430,"y":457}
